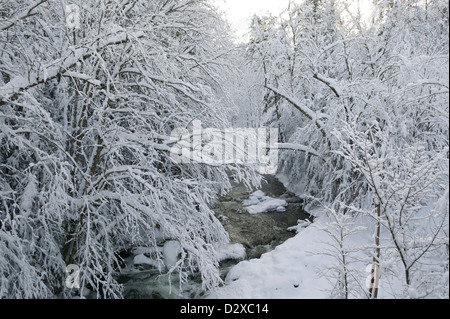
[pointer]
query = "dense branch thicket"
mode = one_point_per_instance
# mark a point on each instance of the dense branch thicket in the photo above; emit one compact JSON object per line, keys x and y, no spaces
{"x":85,"y":119}
{"x":370,"y":97}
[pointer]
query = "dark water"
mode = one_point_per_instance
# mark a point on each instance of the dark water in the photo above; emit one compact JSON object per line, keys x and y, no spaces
{"x":152,"y":285}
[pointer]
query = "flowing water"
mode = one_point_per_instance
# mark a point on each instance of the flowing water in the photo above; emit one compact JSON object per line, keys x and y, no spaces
{"x":258,"y":233}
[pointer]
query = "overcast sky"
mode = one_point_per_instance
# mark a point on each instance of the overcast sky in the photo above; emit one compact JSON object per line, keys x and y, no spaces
{"x":239,"y":12}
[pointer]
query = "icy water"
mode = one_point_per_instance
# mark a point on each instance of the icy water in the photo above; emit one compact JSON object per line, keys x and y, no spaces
{"x":259,"y":234}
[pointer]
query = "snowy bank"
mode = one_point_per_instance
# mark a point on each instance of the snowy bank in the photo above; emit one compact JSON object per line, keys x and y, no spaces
{"x":288,"y":272}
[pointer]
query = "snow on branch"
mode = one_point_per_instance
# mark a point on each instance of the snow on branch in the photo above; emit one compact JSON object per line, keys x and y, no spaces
{"x":330,"y":83}
{"x":310,"y":114}
{"x":298,"y":147}
{"x":5,"y":25}
{"x":83,"y":77}
{"x":60,"y":67}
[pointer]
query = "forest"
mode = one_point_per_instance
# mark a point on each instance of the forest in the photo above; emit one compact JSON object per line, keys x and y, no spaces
{"x":92,"y":91}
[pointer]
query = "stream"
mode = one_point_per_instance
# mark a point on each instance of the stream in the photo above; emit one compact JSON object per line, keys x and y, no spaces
{"x":258,"y":233}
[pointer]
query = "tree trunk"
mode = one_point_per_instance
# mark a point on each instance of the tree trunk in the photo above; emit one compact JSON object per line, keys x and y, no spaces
{"x":374,"y":286}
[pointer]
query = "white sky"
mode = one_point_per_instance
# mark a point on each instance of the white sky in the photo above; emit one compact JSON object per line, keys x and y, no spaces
{"x":239,"y":12}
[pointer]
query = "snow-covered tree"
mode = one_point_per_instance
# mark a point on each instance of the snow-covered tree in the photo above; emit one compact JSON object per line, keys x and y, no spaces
{"x":410,"y":195}
{"x":346,"y":280}
{"x":370,"y":97}
{"x":86,"y":113}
